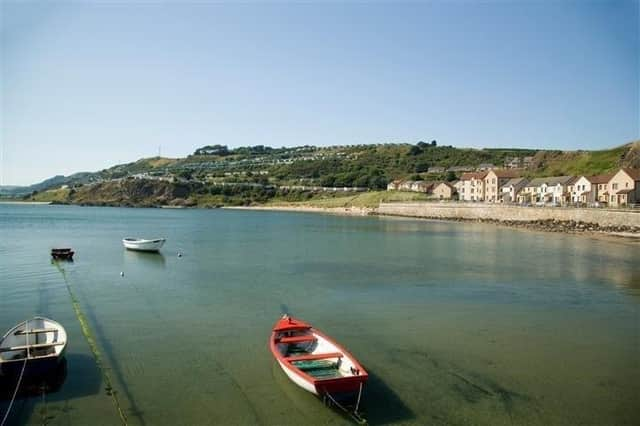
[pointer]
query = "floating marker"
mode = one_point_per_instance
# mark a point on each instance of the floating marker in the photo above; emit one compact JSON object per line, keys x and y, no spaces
{"x":122,"y":274}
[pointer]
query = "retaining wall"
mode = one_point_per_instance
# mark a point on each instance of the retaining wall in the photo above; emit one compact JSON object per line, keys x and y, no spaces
{"x":602,"y":217}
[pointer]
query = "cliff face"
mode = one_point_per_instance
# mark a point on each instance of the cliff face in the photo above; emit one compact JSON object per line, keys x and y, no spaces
{"x":133,"y":192}
{"x":631,"y":158}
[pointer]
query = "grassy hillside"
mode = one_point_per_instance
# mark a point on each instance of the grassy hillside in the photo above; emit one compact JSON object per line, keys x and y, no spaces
{"x":258,"y":175}
{"x":556,"y":163}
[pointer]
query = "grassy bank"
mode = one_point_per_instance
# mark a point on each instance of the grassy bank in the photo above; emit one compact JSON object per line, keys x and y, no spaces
{"x":361,"y":199}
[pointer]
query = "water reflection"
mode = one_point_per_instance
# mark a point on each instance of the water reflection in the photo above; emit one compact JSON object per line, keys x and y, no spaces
{"x":486,"y":251}
{"x":75,"y":377}
{"x":32,"y":385}
{"x":152,"y":259}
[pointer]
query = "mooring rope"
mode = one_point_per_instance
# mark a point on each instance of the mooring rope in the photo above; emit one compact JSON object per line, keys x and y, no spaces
{"x":358,"y":402}
{"x":15,"y":392}
{"x":88,"y":335}
{"x":354,"y":414}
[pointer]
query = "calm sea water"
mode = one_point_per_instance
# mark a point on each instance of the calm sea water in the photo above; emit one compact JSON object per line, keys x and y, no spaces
{"x":456,"y":323}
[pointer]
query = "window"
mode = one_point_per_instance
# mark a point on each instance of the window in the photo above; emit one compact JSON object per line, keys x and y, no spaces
{"x":626,"y":184}
{"x":614,"y":186}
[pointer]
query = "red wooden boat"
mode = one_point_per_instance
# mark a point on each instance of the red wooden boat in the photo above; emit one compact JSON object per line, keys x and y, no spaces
{"x":316,"y":363}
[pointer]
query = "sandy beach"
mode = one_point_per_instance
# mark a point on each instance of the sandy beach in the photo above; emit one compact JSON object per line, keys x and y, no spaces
{"x":343,"y":211}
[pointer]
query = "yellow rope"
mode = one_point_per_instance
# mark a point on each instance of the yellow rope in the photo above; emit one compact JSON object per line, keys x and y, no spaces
{"x":88,"y":335}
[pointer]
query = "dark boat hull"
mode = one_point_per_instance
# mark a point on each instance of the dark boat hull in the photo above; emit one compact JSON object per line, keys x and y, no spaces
{"x":62,"y":253}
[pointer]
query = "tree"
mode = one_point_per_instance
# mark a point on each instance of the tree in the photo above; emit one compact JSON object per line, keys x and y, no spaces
{"x":451,"y":176}
{"x":415,"y":150}
{"x":186,"y":174}
{"x":328,"y":181}
{"x":378,"y":182}
{"x":421,"y":166}
{"x":434,"y":143}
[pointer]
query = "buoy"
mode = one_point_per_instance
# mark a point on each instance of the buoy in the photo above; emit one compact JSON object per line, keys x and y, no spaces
{"x":122,"y":274}
{"x":179,"y":254}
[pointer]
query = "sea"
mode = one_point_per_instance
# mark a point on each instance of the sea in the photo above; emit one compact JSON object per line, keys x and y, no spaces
{"x":456,"y":323}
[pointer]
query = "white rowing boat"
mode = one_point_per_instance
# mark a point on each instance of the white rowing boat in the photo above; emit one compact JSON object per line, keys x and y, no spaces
{"x":37,"y":345}
{"x":143,"y":245}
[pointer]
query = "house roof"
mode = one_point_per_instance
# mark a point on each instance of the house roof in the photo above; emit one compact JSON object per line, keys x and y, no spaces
{"x":436,"y":184}
{"x":516,"y":181}
{"x":599,"y":178}
{"x":501,"y":173}
{"x":477,"y":175}
{"x":633,"y":173}
{"x":553,"y":180}
{"x":460,"y":168}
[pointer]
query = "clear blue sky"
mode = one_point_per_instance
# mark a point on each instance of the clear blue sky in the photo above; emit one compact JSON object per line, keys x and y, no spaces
{"x":89,"y":85}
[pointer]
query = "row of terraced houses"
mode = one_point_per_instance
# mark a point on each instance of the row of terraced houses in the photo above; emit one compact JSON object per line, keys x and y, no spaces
{"x":621,"y":188}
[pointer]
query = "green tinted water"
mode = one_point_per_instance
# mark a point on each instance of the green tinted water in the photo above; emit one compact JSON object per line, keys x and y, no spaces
{"x":456,"y":323}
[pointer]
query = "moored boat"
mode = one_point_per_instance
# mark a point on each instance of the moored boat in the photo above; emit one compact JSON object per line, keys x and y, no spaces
{"x":313,"y":361}
{"x":33,"y":347}
{"x":142,"y":244}
{"x":62,"y":253}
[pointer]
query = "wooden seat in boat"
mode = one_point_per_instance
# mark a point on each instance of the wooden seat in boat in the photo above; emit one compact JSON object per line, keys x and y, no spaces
{"x":36,"y":346}
{"x":36,"y":331}
{"x":298,"y":339}
{"x":314,"y":356}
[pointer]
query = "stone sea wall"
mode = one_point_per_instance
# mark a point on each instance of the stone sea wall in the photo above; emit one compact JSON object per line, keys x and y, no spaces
{"x":547,"y":218}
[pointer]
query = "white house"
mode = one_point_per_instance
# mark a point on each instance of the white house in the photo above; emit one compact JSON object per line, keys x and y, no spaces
{"x":511,"y":189}
{"x":553,"y":190}
{"x":471,"y":186}
{"x":586,"y":189}
{"x":493,"y":182}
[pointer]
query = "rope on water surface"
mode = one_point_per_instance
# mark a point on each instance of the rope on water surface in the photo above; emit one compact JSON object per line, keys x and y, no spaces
{"x":15,"y":392}
{"x":88,"y":335}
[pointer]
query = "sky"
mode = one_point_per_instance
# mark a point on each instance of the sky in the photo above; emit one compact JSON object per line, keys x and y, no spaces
{"x":87,"y":85}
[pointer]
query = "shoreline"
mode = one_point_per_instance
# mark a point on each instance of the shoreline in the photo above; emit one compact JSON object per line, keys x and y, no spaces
{"x":33,"y":203}
{"x":339,"y":211}
{"x":586,"y":230}
{"x":589,"y":230}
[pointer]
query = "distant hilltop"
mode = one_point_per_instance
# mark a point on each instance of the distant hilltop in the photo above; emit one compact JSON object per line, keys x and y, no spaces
{"x":348,"y":167}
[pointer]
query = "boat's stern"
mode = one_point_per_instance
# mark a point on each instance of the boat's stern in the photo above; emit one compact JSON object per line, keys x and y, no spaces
{"x":343,"y":387}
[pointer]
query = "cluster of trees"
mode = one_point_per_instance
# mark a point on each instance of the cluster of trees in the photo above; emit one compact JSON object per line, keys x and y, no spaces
{"x":220,"y":150}
{"x":251,"y":194}
{"x":249,"y":151}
